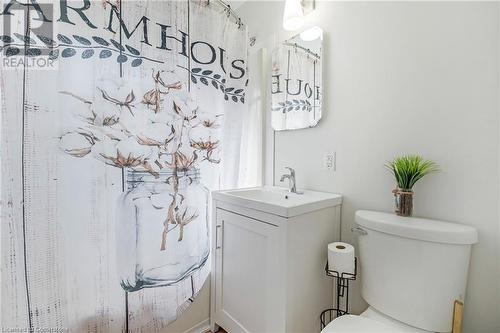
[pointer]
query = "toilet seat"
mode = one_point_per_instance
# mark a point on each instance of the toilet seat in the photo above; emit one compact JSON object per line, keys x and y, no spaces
{"x":370,"y":321}
{"x":357,"y":324}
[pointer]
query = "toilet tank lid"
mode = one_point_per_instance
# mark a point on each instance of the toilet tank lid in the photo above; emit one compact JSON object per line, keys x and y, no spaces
{"x":417,"y":228}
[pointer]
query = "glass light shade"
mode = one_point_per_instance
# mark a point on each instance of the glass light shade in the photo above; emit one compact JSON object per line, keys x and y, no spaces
{"x":311,"y":34}
{"x":293,"y":16}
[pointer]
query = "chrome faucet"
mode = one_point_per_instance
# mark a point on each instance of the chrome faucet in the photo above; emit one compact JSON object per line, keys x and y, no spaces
{"x":291,"y":180}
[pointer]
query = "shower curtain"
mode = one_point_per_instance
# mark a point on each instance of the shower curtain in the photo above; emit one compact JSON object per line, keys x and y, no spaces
{"x":110,"y":146}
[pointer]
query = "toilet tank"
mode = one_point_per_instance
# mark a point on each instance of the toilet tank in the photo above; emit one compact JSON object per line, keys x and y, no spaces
{"x":413,"y":269}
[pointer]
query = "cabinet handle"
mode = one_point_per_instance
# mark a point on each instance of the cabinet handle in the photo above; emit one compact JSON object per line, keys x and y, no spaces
{"x":217,"y":246}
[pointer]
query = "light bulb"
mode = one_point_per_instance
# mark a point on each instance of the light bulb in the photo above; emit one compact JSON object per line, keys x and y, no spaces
{"x":293,"y":16}
{"x":311,"y":34}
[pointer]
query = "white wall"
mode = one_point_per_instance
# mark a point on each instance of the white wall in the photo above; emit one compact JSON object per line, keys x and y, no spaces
{"x":406,"y":78}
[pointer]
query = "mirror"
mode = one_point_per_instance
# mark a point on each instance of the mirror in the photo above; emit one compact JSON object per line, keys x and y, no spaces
{"x":296,"y":86}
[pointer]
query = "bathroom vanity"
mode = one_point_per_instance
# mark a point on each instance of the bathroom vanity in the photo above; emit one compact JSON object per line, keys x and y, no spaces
{"x":269,"y":254}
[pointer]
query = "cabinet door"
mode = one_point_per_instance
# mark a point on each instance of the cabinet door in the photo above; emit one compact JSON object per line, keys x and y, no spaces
{"x":249,"y":287}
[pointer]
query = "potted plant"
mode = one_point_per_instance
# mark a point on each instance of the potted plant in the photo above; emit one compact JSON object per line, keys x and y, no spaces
{"x":407,"y":171}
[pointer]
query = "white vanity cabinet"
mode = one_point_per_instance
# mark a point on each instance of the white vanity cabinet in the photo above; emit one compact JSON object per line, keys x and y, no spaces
{"x":269,"y":254}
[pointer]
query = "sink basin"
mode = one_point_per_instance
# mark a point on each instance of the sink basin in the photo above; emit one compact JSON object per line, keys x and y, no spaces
{"x":279,"y":201}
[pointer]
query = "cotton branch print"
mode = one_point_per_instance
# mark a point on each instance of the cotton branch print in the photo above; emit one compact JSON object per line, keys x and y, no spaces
{"x":159,"y":129}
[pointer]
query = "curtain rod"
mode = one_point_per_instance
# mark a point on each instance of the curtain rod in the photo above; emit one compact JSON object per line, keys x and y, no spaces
{"x":229,"y":11}
{"x":302,"y":48}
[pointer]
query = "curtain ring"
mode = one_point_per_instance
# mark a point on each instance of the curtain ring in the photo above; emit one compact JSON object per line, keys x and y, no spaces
{"x":228,"y":9}
{"x":239,"y":23}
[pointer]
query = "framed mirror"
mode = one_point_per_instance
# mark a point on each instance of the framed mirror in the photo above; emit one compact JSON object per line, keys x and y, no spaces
{"x":296,"y":81}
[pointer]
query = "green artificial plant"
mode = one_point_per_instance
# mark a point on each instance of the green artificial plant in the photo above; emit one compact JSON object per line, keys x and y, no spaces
{"x":409,"y":169}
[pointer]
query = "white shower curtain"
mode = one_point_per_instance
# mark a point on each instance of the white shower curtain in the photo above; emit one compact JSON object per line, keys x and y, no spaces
{"x":139,"y":89}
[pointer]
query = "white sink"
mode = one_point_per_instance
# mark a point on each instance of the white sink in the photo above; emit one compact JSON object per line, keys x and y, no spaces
{"x":279,"y":201}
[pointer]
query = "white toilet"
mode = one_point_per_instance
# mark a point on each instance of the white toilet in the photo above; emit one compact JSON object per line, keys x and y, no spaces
{"x":411,"y":270}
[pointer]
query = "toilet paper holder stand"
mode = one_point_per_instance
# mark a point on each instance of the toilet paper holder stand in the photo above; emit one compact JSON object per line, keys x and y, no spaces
{"x":342,"y":294}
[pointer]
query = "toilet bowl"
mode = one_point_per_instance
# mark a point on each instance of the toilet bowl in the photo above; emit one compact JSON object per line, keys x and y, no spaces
{"x":412,"y":271}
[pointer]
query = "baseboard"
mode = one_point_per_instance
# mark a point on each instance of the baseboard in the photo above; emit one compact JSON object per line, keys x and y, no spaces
{"x":201,"y":327}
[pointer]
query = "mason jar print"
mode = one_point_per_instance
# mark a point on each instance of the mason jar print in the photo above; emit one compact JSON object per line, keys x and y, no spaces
{"x":162,"y":228}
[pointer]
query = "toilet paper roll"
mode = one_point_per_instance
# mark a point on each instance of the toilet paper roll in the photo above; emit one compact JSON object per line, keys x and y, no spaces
{"x":341,"y":257}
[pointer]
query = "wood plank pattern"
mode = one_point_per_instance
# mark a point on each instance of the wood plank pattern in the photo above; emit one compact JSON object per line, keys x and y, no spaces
{"x":88,"y":190}
{"x":43,"y":239}
{"x":14,"y":314}
{"x":69,"y":204}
